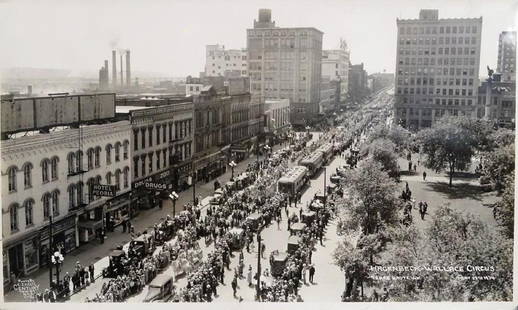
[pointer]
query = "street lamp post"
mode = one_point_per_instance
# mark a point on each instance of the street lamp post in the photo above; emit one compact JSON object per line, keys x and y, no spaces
{"x":57,"y":259}
{"x":174,"y":196}
{"x":232,"y":165}
{"x":325,"y":187}
{"x":258,"y":285}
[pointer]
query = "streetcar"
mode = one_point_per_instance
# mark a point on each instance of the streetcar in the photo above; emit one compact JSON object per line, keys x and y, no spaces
{"x":327,"y":152}
{"x":313,"y":162}
{"x":293,"y":180}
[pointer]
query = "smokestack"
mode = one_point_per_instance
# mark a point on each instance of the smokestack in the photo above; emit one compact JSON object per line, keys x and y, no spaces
{"x":122,"y":77}
{"x":29,"y":90}
{"x":128,"y":69}
{"x":114,"y":69}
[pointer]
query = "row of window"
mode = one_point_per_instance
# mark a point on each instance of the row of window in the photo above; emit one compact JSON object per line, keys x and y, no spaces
{"x":438,"y":40}
{"x":438,"y":101}
{"x":440,"y":61}
{"x":437,"y":29}
{"x":438,"y":91}
{"x":48,"y":199}
{"x":27,"y":173}
{"x":439,"y":71}
{"x":181,"y":152}
{"x":181,"y":130}
{"x":438,"y":81}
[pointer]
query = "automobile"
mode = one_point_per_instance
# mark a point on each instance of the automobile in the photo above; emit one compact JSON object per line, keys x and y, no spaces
{"x":335,"y":179}
{"x":160,"y":289}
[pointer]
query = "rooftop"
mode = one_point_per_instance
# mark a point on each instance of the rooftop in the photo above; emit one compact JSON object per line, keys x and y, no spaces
{"x":125,"y":109}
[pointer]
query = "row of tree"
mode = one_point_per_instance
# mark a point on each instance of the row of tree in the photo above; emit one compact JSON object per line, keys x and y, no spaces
{"x":372,"y":212}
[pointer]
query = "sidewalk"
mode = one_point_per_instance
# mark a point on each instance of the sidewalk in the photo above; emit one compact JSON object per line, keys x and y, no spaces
{"x":96,"y":253}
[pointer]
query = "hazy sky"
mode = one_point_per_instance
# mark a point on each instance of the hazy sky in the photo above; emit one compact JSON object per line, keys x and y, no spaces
{"x":170,"y":36}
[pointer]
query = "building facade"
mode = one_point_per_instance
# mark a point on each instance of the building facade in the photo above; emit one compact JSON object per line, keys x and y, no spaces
{"x":51,"y":175}
{"x":335,"y":66}
{"x":222,"y":62}
{"x":162,"y":147}
{"x":277,"y":116}
{"x":329,"y":95}
{"x":499,"y":99}
{"x":506,"y":64}
{"x":285,"y":63}
{"x":437,"y":68}
{"x":358,"y":83}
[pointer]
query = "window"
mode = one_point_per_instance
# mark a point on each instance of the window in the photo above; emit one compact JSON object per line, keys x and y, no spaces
{"x":150,"y":155}
{"x":143,"y":165}
{"x":45,"y":170}
{"x":150,"y":136}
{"x":135,"y":166}
{"x":97,"y":156}
{"x":135,"y":139}
{"x":27,"y":176}
{"x":125,"y":149}
{"x":90,"y":184}
{"x":28,"y":205}
{"x":46,"y":206}
{"x":157,"y":134}
{"x":125,"y":176}
{"x":109,"y":154}
{"x":117,"y":152}
{"x":143,"y":135}
{"x":13,"y":215}
{"x":79,"y":190}
{"x":164,"y":129}
{"x":79,"y":162}
{"x":90,"y":158}
{"x":158,"y":160}
{"x":164,"y":152}
{"x":118,"y":179}
{"x":71,"y":163}
{"x":55,"y":203}
{"x":71,"y":196}
{"x":109,"y":178}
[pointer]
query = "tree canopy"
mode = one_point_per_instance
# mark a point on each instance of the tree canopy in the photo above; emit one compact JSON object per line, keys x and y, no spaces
{"x":447,"y":145}
{"x":498,"y":165}
{"x":384,"y":152}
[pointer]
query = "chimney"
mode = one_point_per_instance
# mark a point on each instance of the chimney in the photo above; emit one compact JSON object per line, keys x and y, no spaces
{"x":114,"y":69}
{"x":122,"y":77}
{"x":128,"y":69}
{"x":29,"y":90}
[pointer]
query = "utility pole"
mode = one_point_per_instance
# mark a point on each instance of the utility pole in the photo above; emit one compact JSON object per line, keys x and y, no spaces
{"x":50,"y":246}
{"x":258,"y":285}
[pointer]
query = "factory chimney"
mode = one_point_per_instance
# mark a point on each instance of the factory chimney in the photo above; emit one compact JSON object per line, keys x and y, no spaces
{"x":114,"y":69}
{"x":128,"y":69}
{"x":122,"y":77}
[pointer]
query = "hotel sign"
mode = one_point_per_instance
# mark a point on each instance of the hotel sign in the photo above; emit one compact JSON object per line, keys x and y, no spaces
{"x":104,"y":190}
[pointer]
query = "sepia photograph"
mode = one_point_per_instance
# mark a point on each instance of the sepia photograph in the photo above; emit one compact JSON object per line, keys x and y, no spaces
{"x":225,"y":151}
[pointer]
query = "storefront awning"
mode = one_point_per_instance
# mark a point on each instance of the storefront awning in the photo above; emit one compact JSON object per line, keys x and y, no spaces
{"x":93,"y":225}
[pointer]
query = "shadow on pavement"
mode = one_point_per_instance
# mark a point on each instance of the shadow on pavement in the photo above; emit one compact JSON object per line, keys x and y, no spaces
{"x":458,"y":190}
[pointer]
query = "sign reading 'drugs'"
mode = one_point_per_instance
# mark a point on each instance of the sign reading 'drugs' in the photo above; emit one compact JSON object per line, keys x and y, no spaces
{"x":150,"y":184}
{"x":105,"y":190}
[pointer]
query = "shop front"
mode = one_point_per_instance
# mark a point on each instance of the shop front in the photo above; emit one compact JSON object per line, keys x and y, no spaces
{"x":210,"y":166}
{"x":63,"y":238}
{"x":91,"y":222}
{"x":118,"y":210}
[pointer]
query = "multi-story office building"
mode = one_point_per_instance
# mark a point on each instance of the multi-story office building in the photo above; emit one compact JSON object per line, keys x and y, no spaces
{"x":285,"y":63}
{"x":277,"y":118}
{"x":437,"y":68}
{"x":222,"y":62}
{"x":506,"y":64}
{"x":50,"y":174}
{"x":335,"y":66}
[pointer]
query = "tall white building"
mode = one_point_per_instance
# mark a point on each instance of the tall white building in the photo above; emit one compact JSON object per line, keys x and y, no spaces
{"x":507,"y":56}
{"x":285,"y":63}
{"x":222,"y":62}
{"x":335,"y":66}
{"x":52,"y":175}
{"x":437,"y":68}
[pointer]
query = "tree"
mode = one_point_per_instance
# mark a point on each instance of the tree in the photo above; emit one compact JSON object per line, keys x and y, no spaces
{"x":501,"y":137}
{"x":371,"y":199}
{"x":352,"y":262}
{"x":397,"y":134}
{"x":504,"y":209}
{"x":447,"y":145}
{"x":498,"y":165}
{"x":384,"y":152}
{"x":453,"y":240}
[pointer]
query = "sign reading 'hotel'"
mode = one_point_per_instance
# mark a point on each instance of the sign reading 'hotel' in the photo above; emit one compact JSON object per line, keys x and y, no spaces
{"x":104,"y":190}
